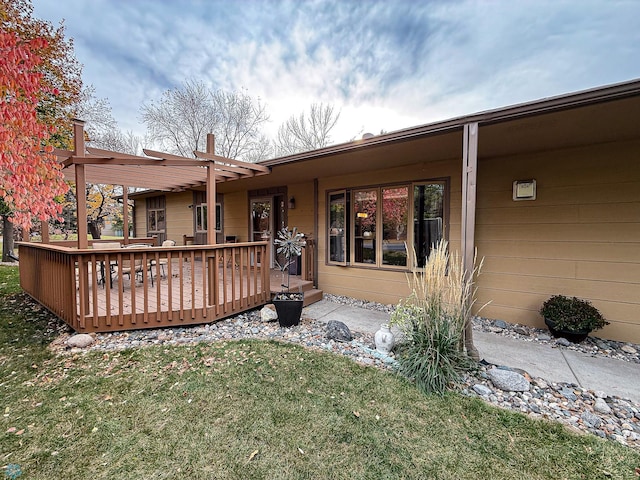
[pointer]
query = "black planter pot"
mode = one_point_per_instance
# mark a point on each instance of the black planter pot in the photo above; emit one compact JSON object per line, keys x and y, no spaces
{"x":289,"y":311}
{"x":572,"y":336}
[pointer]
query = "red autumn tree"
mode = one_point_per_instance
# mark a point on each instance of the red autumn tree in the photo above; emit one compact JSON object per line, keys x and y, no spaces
{"x":30,"y":176}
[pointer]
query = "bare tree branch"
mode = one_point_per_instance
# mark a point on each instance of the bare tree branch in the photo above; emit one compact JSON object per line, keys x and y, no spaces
{"x":308,"y":131}
{"x":180,"y":121}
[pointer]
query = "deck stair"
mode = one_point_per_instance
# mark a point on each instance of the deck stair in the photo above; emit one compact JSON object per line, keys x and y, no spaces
{"x":296,"y":284}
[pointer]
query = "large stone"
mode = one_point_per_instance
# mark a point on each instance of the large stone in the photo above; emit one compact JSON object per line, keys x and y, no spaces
{"x":508,"y":381}
{"x":268,"y":314}
{"x":601,"y":406}
{"x":338,"y":331}
{"x":80,"y":340}
{"x":629,"y":349}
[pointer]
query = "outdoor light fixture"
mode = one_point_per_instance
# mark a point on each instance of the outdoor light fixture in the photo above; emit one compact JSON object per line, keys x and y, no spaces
{"x":292,"y":203}
{"x":524,"y":190}
{"x":362,"y":215}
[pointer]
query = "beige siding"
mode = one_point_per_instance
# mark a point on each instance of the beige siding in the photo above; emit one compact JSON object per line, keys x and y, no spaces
{"x":378,"y":285}
{"x":302,"y":215}
{"x":179,"y":216}
{"x":236,"y":211}
{"x":581,"y":236}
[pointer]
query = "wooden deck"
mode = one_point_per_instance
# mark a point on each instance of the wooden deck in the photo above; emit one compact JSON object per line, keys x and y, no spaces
{"x":198,"y":284}
{"x":177,"y":285}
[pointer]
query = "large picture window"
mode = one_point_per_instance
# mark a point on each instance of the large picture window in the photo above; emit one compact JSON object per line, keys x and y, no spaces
{"x":386,"y":225}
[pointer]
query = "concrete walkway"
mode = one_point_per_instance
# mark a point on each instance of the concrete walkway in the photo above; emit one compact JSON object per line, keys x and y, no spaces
{"x":553,"y":363}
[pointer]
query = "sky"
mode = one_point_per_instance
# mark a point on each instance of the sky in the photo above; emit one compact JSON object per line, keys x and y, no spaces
{"x":386,"y":65}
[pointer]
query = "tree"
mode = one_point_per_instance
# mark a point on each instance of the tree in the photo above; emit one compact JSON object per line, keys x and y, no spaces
{"x":308,"y":131}
{"x":39,"y":82}
{"x":181,"y":119}
{"x":30,"y":175}
{"x":61,"y":72}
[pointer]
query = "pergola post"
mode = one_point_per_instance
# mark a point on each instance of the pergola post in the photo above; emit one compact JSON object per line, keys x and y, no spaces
{"x":211,"y":192}
{"x":125,"y":213}
{"x":81,"y":184}
{"x":469,"y":179}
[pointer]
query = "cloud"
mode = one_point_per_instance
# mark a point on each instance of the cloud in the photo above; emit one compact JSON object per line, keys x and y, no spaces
{"x":387,"y":65}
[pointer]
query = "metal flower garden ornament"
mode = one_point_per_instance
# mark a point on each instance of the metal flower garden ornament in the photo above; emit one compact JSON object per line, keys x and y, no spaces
{"x":289,"y":305}
{"x":289,"y":244}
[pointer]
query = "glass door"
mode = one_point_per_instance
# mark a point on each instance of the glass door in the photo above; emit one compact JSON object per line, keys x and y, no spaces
{"x":262,"y":223}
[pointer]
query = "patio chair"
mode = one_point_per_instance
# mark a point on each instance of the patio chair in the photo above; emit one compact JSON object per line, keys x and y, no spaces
{"x":138,"y":268}
{"x":112,"y":263}
{"x":164,"y":261}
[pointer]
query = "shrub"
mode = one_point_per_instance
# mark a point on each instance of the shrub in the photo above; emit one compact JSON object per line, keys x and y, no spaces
{"x":572,"y":314}
{"x":433,"y":319}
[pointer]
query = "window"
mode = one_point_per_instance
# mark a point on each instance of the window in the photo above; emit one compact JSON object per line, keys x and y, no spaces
{"x":428,"y":218}
{"x":337,"y":226}
{"x":395,"y":213}
{"x":155,"y":220}
{"x":365,"y":205}
{"x":201,"y":217}
{"x":385,"y":225}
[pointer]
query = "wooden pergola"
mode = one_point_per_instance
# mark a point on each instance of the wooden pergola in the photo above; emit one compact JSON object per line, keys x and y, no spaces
{"x":157,"y":171}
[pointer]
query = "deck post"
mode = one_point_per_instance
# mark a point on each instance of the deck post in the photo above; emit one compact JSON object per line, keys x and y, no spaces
{"x":469,"y":178}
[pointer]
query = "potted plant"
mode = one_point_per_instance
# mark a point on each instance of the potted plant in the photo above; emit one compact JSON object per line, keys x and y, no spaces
{"x":571,"y":318}
{"x":289,"y":304}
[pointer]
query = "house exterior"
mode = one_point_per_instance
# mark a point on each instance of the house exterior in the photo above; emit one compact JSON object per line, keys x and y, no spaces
{"x":548,"y":192}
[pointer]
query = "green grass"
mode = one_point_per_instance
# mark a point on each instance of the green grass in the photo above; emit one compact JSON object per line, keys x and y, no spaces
{"x":252,"y":410}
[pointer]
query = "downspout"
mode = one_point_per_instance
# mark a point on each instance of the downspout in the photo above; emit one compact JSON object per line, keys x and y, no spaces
{"x":469,"y":179}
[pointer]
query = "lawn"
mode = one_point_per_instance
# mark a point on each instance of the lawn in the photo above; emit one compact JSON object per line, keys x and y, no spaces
{"x":253,"y":410}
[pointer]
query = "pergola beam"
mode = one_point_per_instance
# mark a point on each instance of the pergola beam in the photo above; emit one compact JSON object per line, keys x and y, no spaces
{"x":237,"y":163}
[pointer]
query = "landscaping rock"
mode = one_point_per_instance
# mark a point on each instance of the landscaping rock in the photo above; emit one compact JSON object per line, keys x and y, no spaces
{"x":508,"y":381}
{"x":563,"y":341}
{"x":338,"y":331}
{"x":521,"y":331}
{"x":80,"y":340}
{"x":628,"y":349}
{"x":501,"y":324}
{"x":601,"y":406}
{"x":268,"y":314}
{"x":591,"y":420}
{"x":482,"y":390}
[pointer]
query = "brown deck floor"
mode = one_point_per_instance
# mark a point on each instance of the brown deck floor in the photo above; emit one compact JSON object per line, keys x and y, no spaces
{"x":178,"y":288}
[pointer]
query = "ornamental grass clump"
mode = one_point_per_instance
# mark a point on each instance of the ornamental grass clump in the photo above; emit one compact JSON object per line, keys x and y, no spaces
{"x":433,"y":320}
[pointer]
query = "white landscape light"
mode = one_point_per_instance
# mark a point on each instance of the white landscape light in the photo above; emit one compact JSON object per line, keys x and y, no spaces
{"x":524,"y":190}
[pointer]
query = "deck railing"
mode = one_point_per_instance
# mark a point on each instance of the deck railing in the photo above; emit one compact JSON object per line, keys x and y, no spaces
{"x":148,"y":287}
